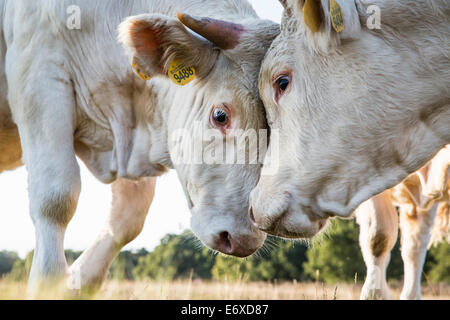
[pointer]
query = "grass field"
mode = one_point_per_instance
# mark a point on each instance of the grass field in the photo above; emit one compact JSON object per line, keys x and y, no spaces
{"x":202,"y":290}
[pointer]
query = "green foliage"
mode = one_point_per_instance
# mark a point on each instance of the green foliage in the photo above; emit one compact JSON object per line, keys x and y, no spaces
{"x":338,"y":256}
{"x":176,"y":257}
{"x":334,"y":257}
{"x":231,"y":269}
{"x":123,"y":266}
{"x":280,"y":260}
{"x":395,"y":267}
{"x":71,"y":256}
{"x":438,"y":263}
{"x":21,"y":268}
{"x":284,"y":261}
{"x":7,"y":260}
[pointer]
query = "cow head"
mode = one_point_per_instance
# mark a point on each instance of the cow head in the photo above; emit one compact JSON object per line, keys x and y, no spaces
{"x":209,"y":115}
{"x":356,"y":110}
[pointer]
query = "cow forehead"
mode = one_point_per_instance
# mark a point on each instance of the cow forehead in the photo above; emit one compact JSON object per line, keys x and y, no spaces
{"x":222,"y":86}
{"x":235,"y":82}
{"x":245,"y":61}
{"x":280,"y":55}
{"x":285,"y":46}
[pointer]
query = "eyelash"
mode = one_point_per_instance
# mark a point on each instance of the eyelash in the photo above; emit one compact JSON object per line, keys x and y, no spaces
{"x":279,"y":92}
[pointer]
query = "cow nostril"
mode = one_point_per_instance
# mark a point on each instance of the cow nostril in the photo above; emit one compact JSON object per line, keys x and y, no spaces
{"x":225,"y":244}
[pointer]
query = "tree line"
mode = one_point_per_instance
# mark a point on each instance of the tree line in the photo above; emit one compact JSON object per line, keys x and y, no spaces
{"x":332,"y":257}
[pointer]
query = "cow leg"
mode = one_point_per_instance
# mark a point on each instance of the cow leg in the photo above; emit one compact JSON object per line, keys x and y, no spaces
{"x":378,"y":222}
{"x":131,"y":201}
{"x":44,"y":112}
{"x":415,"y":228}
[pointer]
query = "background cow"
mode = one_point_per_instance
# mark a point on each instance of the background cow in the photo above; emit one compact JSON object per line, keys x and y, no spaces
{"x":357,"y":110}
{"x":423,"y":203}
{"x":72,"y":92}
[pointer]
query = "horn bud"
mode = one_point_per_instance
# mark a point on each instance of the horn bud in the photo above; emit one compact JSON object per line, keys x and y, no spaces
{"x":224,"y":34}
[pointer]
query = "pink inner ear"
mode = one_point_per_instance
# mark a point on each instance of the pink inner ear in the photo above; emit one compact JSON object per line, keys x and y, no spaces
{"x":146,"y":40}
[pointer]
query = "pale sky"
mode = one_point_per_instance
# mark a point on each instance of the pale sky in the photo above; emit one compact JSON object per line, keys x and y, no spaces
{"x":168,"y":213}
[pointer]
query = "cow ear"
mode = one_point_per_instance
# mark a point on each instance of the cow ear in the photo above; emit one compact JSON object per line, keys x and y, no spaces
{"x":329,"y":21}
{"x":157,"y":44}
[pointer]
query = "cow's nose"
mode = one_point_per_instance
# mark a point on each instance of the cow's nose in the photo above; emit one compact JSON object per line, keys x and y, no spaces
{"x":232,"y":246}
{"x":225,"y":245}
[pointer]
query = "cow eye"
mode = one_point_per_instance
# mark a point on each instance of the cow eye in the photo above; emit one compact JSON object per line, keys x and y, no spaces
{"x":220,"y":116}
{"x":283,"y":83}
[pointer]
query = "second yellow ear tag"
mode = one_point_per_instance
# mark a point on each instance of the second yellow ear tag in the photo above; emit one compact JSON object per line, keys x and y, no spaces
{"x":311,"y":15}
{"x":140,"y":71}
{"x":180,"y":73}
{"x":337,"y":17}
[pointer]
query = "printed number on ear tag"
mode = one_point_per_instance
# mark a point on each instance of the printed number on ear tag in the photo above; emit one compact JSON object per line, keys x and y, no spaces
{"x":337,"y":18}
{"x":140,"y":71}
{"x":180,"y":73}
{"x":311,"y":15}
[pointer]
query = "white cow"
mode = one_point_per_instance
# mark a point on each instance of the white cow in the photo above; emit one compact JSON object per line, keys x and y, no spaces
{"x":68,"y":85}
{"x":357,"y":109}
{"x":423,"y":202}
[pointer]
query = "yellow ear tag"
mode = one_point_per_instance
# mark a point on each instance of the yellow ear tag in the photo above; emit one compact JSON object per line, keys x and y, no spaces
{"x":311,"y":15}
{"x":337,"y":18}
{"x":139,"y":71}
{"x":180,"y":73}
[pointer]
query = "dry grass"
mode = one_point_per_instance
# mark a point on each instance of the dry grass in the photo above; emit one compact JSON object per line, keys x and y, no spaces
{"x":203,"y":290}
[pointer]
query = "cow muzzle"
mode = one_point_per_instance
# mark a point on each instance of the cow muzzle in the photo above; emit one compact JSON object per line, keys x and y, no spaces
{"x":238,"y":246}
{"x":284,"y":218}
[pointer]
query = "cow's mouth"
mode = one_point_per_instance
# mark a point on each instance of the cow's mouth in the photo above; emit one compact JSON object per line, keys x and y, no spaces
{"x":283,"y":229}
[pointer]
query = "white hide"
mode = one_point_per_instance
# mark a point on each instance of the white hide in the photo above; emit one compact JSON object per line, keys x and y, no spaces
{"x":72,"y":92}
{"x":359,"y":115}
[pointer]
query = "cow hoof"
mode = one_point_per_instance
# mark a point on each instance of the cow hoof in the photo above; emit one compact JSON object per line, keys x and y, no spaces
{"x":375,"y":294}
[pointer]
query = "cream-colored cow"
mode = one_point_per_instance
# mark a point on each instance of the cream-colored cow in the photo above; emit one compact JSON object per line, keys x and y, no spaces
{"x":357,"y":108}
{"x":69,"y":91}
{"x":423,"y":203}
